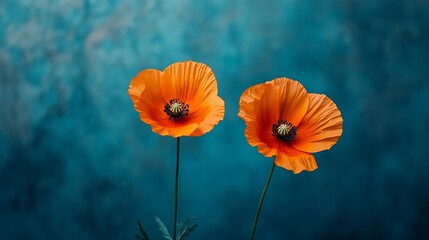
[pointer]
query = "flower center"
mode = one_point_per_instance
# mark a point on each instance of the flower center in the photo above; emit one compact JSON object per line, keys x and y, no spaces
{"x":284,"y":130}
{"x":176,"y":109}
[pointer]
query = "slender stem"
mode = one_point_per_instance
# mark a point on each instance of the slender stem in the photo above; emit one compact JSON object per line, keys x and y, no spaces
{"x":176,"y":188}
{"x":261,"y":201}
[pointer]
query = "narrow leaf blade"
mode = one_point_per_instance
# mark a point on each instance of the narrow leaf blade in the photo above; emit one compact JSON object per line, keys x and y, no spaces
{"x":143,"y":233}
{"x":185,"y":230}
{"x":163,"y":229}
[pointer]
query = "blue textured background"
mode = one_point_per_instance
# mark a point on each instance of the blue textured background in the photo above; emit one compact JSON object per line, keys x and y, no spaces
{"x":77,"y":163}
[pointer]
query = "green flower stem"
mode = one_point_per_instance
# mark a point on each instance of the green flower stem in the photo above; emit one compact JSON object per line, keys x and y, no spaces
{"x":176,"y":189}
{"x":261,"y":201}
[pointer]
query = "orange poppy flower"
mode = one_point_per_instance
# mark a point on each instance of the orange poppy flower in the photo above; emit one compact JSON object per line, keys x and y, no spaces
{"x":285,"y":121}
{"x":179,"y":101}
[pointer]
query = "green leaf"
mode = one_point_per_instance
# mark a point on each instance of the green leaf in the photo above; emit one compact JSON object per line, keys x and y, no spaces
{"x":163,"y":229}
{"x":182,"y":224}
{"x":185,"y":230}
{"x":143,"y":233}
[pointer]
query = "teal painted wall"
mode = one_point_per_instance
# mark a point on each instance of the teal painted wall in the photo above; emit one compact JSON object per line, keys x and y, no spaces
{"x":77,"y":163}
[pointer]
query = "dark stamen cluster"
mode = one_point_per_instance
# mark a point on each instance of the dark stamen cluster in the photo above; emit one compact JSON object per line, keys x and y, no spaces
{"x":176,"y":109}
{"x":284,"y":130}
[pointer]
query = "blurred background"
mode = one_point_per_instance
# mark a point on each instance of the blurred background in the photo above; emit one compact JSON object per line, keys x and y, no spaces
{"x":76,"y":162}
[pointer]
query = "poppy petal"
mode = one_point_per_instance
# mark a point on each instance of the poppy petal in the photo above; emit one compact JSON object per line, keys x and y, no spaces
{"x":208,"y":116}
{"x":297,"y":162}
{"x":189,"y":81}
{"x":137,"y":85}
{"x":253,"y":136}
{"x":174,"y":129}
{"x":255,"y":111}
{"x":149,"y":103}
{"x":270,"y":106}
{"x":321,"y":127}
{"x":293,"y":99}
{"x":247,"y":102}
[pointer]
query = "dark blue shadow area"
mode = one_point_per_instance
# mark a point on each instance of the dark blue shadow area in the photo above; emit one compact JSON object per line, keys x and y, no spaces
{"x":76,"y":162}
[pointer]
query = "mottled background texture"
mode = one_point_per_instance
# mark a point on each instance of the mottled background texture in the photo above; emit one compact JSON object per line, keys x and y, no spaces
{"x":76,"y":162}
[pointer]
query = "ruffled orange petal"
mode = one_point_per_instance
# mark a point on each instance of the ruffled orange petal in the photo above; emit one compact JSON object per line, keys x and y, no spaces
{"x":137,"y":85}
{"x":260,"y":103}
{"x":253,"y":136}
{"x":150,"y":104}
{"x":145,"y":94}
{"x":195,"y":84}
{"x":189,"y":81}
{"x":248,"y":101}
{"x":270,"y":106}
{"x":259,"y":110}
{"x":174,"y":129}
{"x":296,"y":161}
{"x":293,"y":99}
{"x":208,"y":116}
{"x":321,"y":127}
